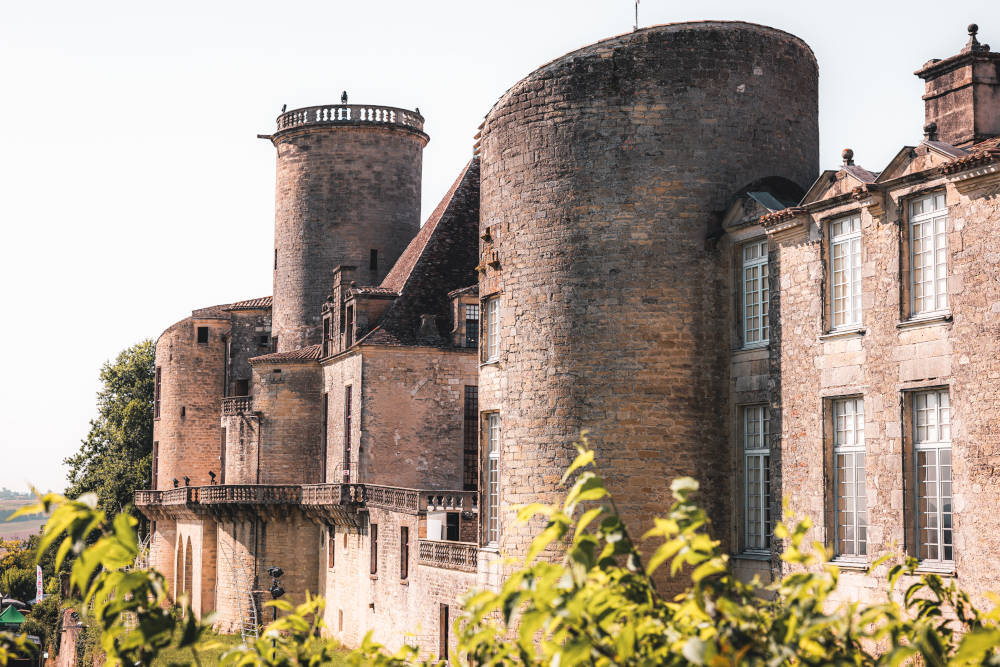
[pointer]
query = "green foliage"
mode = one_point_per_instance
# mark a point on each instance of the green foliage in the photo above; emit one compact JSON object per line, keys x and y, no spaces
{"x":597,"y":605}
{"x":43,"y":621}
{"x":115,"y":459}
{"x":18,"y":583}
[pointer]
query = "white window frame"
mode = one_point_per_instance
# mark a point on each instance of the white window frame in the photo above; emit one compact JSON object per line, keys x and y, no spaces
{"x":932,"y":440}
{"x":491,"y":329}
{"x":850,"y":497}
{"x":928,"y":222}
{"x":492,"y":523}
{"x":757,"y":524}
{"x":754,"y":293}
{"x":845,"y":272}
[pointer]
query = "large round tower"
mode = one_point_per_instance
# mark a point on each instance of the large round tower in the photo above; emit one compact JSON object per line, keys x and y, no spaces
{"x":348,"y":192}
{"x":604,"y":177}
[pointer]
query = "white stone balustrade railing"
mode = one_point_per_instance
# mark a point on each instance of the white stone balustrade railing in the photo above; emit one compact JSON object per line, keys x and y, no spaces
{"x":450,"y":555}
{"x":350,"y":114}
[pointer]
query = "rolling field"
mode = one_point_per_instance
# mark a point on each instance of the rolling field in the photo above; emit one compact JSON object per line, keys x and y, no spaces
{"x":10,"y":530}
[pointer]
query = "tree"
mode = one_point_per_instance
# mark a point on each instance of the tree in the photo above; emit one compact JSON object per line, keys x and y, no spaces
{"x":597,"y":606}
{"x":115,"y":459}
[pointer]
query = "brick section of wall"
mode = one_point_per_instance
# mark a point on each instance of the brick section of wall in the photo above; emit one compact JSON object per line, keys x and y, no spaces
{"x":161,"y":548}
{"x":288,"y":398}
{"x":390,"y":607}
{"x":341,"y":192}
{"x":598,"y":206}
{"x":293,"y":544}
{"x":338,"y":374}
{"x":192,"y":377}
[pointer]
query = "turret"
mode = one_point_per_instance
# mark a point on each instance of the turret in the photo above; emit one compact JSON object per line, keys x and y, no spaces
{"x":348,"y":193}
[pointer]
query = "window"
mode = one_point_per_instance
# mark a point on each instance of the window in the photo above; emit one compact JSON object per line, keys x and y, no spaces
{"x":755,"y":293}
{"x":243,"y":387}
{"x":451,"y":531}
{"x":472,"y":325}
{"x":850,"y":496}
{"x":932,"y":455}
{"x":757,"y":477}
{"x":156,"y":394}
{"x":347,"y":434}
{"x":845,"y":272}
{"x":331,"y":536}
{"x":928,"y":254}
{"x":443,"y":629}
{"x":491,"y":330}
{"x":156,"y":458}
{"x":470,"y":468}
{"x":202,"y":335}
{"x":274,"y":343}
{"x":373,"y":260}
{"x":275,"y":259}
{"x":323,"y":438}
{"x":492,"y":478}
{"x":373,"y":550}
{"x":349,"y":330}
{"x":404,"y":552}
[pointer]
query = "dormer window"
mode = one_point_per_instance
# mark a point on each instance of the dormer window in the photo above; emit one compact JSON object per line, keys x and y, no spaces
{"x":471,"y":324}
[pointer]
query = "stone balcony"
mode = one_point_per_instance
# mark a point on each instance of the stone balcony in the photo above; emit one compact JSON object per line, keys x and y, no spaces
{"x":329,"y":503}
{"x":237,"y":405}
{"x":462,"y":556}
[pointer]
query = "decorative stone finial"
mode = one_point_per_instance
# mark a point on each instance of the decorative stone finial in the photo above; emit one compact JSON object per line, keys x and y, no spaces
{"x":930,"y":131}
{"x":848,"y":156}
{"x":343,"y":97}
{"x":187,"y":481}
{"x":973,"y":45}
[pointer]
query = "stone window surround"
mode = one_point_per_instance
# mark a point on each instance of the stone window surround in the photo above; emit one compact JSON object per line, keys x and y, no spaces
{"x":851,"y":326}
{"x":832,"y":405}
{"x":490,"y":503}
{"x":906,"y":394}
{"x":742,"y":265}
{"x":901,"y":199}
{"x":746,"y":454}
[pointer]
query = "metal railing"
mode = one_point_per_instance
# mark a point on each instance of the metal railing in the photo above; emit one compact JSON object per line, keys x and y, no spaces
{"x":450,"y":555}
{"x":237,"y":405}
{"x":350,"y":114}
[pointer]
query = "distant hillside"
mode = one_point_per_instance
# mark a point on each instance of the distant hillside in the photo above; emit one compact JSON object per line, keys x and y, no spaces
{"x":7,"y":494}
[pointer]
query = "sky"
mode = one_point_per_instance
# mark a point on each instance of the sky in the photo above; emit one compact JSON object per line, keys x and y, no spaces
{"x":133,"y":187}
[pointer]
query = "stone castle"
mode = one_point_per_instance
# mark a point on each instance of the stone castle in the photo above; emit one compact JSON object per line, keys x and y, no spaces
{"x":642,"y":246}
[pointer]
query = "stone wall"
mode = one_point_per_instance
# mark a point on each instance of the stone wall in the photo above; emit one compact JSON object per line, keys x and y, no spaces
{"x":599,"y":190}
{"x":288,"y":398}
{"x":202,"y":536}
{"x":396,"y":610}
{"x":884,"y":361}
{"x":191,"y":384}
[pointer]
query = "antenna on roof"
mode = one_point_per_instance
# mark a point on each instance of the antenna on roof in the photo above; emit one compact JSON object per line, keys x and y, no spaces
{"x":636,"y":15}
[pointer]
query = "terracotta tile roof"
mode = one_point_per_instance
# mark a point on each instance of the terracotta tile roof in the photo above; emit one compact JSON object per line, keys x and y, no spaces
{"x":374,"y":291}
{"x":301,"y":355}
{"x":211,"y":313}
{"x":379,"y":336}
{"x":985,"y":152}
{"x":261,"y":303}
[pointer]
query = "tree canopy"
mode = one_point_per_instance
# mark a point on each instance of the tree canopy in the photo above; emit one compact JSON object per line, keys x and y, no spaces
{"x":115,"y":458}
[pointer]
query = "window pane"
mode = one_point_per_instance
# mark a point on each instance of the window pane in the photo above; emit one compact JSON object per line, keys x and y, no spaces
{"x":757,"y":477}
{"x":755,"y":293}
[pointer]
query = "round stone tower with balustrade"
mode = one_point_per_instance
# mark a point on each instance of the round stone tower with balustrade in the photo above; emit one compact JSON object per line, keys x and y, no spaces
{"x":347,"y":193}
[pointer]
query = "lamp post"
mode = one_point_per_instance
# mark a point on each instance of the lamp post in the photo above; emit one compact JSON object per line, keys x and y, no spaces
{"x":276,"y":591}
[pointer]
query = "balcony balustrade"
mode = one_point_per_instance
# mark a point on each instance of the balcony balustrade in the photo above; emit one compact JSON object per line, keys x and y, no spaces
{"x":449,"y":555}
{"x":237,"y":405}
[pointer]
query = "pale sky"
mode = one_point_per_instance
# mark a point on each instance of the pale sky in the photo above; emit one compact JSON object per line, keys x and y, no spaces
{"x":133,"y":189}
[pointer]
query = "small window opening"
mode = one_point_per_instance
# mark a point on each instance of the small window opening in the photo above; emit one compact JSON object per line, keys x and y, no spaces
{"x":373,"y":569}
{"x":275,"y":259}
{"x":243,"y":387}
{"x":373,"y":260}
{"x":451,"y":526}
{"x":183,"y":411}
{"x":202,"y":335}
{"x":404,"y":552}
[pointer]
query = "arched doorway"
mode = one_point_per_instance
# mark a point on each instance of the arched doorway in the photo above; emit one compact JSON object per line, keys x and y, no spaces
{"x":188,"y":566}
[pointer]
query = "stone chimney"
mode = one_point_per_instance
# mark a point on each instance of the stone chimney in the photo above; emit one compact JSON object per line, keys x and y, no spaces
{"x":962,"y":94}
